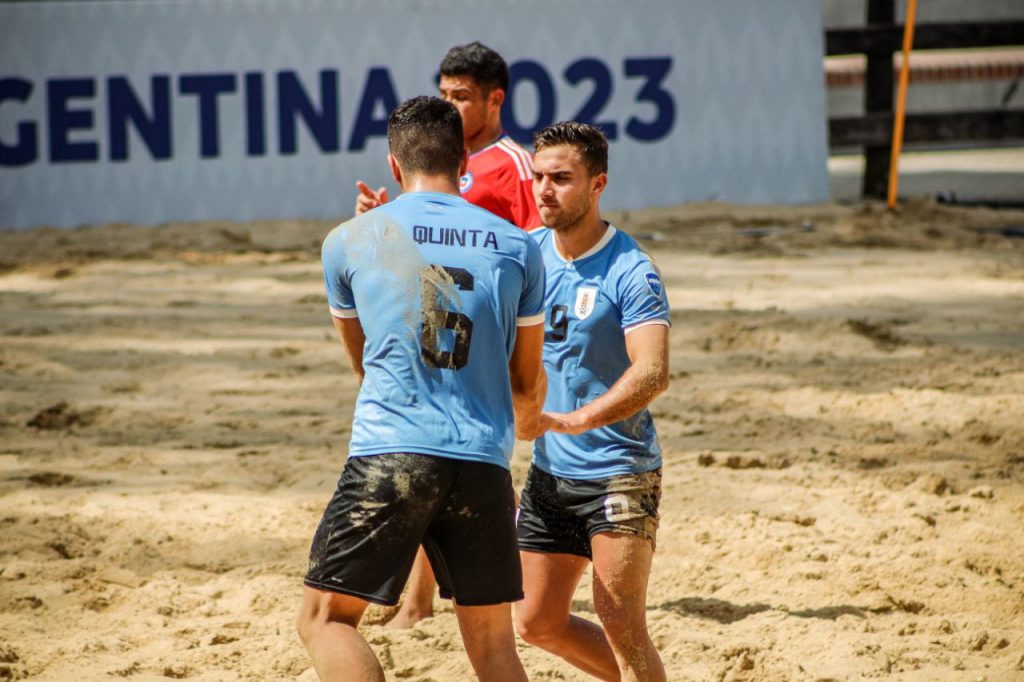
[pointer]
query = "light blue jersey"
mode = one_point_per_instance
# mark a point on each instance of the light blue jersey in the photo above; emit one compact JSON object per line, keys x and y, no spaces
{"x":590,"y":304}
{"x":439,"y":287}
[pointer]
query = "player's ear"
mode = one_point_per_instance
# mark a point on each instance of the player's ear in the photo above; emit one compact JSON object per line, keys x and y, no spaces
{"x":464,"y":164}
{"x":496,"y":97}
{"x":396,"y":170}
{"x":600,"y":181}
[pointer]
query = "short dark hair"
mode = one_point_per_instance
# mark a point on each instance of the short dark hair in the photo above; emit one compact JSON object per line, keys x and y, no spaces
{"x":425,"y":136}
{"x":479,"y":62}
{"x":588,"y":140}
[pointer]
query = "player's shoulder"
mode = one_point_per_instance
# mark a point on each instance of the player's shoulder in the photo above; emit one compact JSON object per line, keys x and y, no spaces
{"x":505,"y":157}
{"x":628,"y":255}
{"x":335,"y":238}
{"x":512,"y":238}
{"x":357,"y":223}
{"x":540,"y":234}
{"x":483,"y":217}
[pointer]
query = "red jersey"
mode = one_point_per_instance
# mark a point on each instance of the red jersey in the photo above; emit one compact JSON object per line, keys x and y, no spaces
{"x":499,"y":178}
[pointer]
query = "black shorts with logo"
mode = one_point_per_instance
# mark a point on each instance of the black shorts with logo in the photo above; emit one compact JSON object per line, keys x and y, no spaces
{"x":560,"y":515}
{"x":462,"y":512}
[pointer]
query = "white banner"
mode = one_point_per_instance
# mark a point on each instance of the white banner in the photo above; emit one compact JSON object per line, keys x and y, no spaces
{"x":148,"y":111}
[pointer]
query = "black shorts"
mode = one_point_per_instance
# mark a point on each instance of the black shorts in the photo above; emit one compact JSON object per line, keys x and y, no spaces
{"x":462,"y":512}
{"x":560,"y":515}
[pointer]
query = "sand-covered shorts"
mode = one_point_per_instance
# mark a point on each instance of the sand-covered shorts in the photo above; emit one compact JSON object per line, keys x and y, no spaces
{"x":560,"y":515}
{"x":385,"y":506}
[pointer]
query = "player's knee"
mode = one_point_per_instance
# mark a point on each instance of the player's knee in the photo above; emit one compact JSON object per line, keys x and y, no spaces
{"x":309,"y":621}
{"x":537,"y":628}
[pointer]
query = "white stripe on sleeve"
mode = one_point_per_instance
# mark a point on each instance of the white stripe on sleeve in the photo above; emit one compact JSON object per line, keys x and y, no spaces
{"x":645,"y":323}
{"x":530,"y":321}
{"x":345,"y":313}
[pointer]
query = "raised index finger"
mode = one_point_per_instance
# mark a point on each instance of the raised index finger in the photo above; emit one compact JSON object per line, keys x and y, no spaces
{"x":365,"y":190}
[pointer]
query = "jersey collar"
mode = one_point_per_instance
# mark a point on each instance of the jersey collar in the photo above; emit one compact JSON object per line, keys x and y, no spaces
{"x":434,"y":196}
{"x":498,"y":140}
{"x":601,"y":243}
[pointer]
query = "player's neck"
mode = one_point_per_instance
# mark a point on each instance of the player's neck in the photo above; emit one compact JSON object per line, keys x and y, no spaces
{"x":487,"y":136}
{"x":575,"y":240}
{"x":431,"y":183}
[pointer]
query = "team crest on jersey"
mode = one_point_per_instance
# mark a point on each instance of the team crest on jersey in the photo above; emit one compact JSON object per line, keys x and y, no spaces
{"x":466,"y":182}
{"x":654,"y":282}
{"x":586,"y":299}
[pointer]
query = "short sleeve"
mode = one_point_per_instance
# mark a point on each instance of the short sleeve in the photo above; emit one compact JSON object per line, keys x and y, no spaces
{"x":642,"y":297}
{"x":531,"y":304}
{"x":336,"y":276}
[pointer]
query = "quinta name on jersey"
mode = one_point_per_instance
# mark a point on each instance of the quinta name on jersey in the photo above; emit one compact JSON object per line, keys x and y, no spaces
{"x":454,"y":236}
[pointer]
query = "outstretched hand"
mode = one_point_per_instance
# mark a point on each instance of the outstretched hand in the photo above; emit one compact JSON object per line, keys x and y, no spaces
{"x":570,"y":422}
{"x":533,"y":428}
{"x":368,"y":199}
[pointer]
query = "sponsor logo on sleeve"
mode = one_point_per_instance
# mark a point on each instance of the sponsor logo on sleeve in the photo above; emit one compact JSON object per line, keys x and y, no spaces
{"x":654,"y":283}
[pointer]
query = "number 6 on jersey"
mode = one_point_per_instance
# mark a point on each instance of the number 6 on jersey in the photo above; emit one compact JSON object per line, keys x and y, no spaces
{"x":433,"y":280}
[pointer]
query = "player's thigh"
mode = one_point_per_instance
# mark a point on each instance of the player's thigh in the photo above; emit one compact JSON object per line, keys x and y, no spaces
{"x":549,"y":583}
{"x":622,"y":567}
{"x":370,"y":531}
{"x":626,"y":504}
{"x":550,"y":519}
{"x":471,"y":542}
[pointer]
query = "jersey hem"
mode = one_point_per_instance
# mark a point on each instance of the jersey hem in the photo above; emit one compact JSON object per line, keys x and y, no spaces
{"x":589,"y":476}
{"x":481,"y":457}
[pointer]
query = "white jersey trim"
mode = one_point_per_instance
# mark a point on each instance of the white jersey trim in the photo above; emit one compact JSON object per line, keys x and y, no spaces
{"x":645,"y":323}
{"x":345,"y":313}
{"x":601,"y":243}
{"x":530,"y":321}
{"x":519,"y":155}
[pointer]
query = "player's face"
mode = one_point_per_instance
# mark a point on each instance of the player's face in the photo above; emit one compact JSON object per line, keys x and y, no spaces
{"x":563,"y":188}
{"x":472,"y":101}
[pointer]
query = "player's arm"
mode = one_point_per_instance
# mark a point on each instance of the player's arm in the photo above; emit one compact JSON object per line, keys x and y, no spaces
{"x":646,"y":378}
{"x":529,"y":382}
{"x":350,"y":330}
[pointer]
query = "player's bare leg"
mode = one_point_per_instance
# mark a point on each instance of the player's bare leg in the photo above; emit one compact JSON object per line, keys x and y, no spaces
{"x":327,"y":626}
{"x":419,"y":597}
{"x":543,"y":618}
{"x":622,"y":565}
{"x":490,"y":642}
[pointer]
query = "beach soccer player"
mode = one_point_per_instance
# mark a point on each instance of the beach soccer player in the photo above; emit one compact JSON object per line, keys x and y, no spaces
{"x":593,"y":489}
{"x":439,"y":305}
{"x":499,"y":178}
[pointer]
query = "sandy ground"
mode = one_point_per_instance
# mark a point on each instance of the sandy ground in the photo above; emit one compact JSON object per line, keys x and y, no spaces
{"x":844,"y":441}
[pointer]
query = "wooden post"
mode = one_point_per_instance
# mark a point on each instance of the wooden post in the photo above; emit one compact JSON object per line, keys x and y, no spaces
{"x":878,"y":86}
{"x":901,"y":106}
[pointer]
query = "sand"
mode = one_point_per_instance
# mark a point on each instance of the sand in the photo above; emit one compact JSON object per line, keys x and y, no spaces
{"x":844,"y":450}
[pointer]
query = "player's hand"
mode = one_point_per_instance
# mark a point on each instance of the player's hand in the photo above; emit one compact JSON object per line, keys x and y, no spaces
{"x":368,"y":199}
{"x":531,"y":429}
{"x":571,"y":422}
